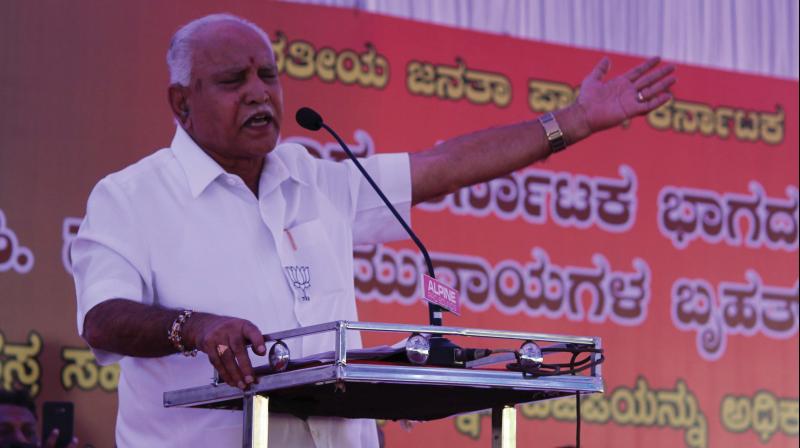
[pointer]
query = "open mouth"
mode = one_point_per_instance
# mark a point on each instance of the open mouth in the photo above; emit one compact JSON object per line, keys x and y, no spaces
{"x":258,"y":120}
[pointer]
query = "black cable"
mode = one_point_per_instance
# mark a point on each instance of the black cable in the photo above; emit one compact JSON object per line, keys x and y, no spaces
{"x":574,"y":367}
{"x":578,"y":417}
{"x":577,"y":403}
{"x":555,"y":369}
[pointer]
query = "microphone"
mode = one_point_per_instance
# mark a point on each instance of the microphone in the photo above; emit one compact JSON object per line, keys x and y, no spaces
{"x":311,"y":120}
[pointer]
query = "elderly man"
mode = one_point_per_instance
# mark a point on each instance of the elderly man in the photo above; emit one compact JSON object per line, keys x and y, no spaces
{"x":187,"y":251}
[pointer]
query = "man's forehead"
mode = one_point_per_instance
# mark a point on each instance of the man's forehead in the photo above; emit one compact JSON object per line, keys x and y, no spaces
{"x":230,"y":40}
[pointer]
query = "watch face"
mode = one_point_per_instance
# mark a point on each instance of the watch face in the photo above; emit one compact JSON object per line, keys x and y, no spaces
{"x":554,"y":135}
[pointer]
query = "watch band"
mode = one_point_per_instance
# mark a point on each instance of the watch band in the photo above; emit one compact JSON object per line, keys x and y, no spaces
{"x":555,"y":138}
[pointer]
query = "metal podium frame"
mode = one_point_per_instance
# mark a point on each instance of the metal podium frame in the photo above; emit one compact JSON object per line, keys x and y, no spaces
{"x":344,"y":389}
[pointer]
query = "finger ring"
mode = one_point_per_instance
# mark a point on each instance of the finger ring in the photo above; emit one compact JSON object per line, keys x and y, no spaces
{"x":640,"y":97}
{"x":221,"y":349}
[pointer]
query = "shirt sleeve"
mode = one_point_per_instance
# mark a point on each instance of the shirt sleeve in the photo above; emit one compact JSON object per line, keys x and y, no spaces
{"x":373,"y":222}
{"x":108,"y":257}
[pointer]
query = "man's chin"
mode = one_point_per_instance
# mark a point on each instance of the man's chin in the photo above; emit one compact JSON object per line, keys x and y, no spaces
{"x":260,"y":144}
{"x":260,"y":149}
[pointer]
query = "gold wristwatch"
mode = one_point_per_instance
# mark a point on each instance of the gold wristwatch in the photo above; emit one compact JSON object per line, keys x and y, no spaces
{"x":555,"y":138}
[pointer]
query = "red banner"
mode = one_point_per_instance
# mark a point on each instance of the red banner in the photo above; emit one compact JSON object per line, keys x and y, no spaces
{"x":673,"y":237}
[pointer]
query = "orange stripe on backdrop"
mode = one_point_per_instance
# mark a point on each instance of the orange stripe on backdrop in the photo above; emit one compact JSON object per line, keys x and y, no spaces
{"x":694,"y":205}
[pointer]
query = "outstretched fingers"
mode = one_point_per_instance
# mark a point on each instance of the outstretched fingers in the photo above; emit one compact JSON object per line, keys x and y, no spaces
{"x":654,"y":76}
{"x":654,"y":102}
{"x":600,"y":70}
{"x":657,"y":88}
{"x":636,"y":72}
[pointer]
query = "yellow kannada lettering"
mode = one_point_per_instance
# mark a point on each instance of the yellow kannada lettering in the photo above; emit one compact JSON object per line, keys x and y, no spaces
{"x":772,"y":127}
{"x":109,"y":377}
{"x":348,"y":66}
{"x":688,"y":117}
{"x":469,"y":425}
{"x":301,"y":60}
{"x":595,"y":408}
{"x":763,"y":413}
{"x":539,"y":410}
{"x":764,"y":417}
{"x":661,"y":118}
{"x":735,"y":413}
{"x":450,"y":81}
{"x":691,"y":117}
{"x":458,"y":82}
{"x":646,"y":404}
{"x":676,"y":409}
{"x":378,"y":73}
{"x":421,"y":78}
{"x":623,"y":410}
{"x":724,"y":116}
{"x":746,"y":125}
{"x":81,"y":370}
{"x":640,"y":406}
{"x":696,"y":436}
{"x":547,"y":96}
{"x":326,"y":64}
{"x":279,"y":49}
{"x":482,"y":87}
{"x":790,"y":416}
{"x":21,"y":363}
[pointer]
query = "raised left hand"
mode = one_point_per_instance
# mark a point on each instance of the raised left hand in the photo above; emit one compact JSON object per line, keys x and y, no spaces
{"x":640,"y":90}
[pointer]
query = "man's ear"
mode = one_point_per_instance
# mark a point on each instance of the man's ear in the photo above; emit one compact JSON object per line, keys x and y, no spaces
{"x":177,"y":95}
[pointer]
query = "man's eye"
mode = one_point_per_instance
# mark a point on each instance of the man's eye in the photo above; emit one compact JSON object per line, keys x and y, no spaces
{"x":230,"y":81}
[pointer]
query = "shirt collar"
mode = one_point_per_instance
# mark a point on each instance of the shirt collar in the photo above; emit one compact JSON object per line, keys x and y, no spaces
{"x":276,"y":170}
{"x":201,"y":169}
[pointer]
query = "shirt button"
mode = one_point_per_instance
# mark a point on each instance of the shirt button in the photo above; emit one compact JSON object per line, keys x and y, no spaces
{"x":231,"y":181}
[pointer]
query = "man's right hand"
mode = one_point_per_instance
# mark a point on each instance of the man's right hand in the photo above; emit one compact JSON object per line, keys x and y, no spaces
{"x":224,"y":340}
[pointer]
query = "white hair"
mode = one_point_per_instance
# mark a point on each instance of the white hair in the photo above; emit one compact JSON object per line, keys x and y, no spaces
{"x":181,"y":46}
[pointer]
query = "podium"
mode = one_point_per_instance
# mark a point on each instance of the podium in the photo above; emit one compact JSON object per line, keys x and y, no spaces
{"x":390,"y":390}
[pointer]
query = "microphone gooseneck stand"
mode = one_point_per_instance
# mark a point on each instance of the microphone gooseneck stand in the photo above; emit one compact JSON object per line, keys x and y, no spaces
{"x":442,"y":351}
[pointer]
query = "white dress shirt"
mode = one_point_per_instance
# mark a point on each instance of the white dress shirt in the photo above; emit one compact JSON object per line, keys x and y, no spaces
{"x":176,"y":230}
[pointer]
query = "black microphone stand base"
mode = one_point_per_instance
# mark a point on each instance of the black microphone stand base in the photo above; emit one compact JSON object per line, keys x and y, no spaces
{"x":445,"y":353}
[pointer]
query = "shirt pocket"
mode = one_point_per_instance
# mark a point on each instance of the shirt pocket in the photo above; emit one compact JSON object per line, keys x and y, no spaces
{"x":310,"y":264}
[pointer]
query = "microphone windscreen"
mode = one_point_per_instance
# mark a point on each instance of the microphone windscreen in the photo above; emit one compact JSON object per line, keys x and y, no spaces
{"x":308,"y":118}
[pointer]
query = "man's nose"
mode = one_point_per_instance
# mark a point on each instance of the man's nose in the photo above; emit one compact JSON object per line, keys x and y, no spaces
{"x":256,"y":92}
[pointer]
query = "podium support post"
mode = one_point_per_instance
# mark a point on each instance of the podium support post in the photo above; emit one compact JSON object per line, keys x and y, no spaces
{"x":504,"y":427}
{"x":256,"y":421}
